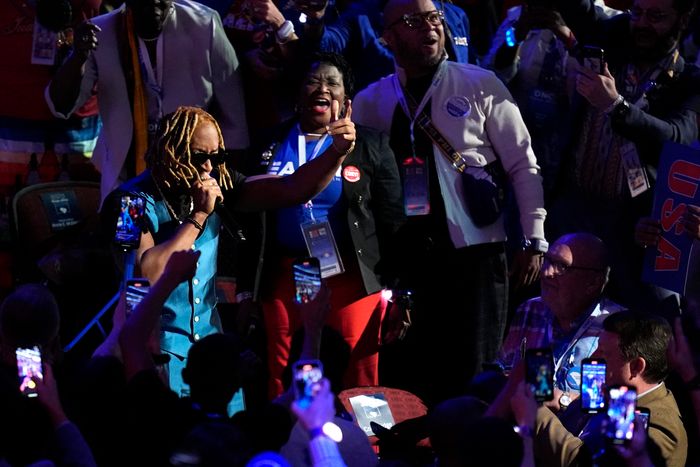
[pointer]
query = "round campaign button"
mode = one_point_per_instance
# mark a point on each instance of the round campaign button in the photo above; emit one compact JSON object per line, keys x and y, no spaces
{"x":351,"y":173}
{"x":458,"y":106}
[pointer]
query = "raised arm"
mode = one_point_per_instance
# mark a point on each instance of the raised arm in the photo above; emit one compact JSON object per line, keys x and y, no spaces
{"x":137,"y":330}
{"x":310,"y":179}
{"x":64,"y":89}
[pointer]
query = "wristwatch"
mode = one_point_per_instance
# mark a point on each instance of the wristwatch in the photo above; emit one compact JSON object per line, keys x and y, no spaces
{"x":285,"y":32}
{"x":535,"y":244}
{"x":564,"y":401}
{"x":621,"y":110}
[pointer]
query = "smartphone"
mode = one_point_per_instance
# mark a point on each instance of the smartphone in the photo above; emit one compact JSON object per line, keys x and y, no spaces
{"x":593,"y":58}
{"x":540,"y":372}
{"x":129,"y":222}
{"x":306,"y":377}
{"x":29,"y":368}
{"x":593,"y":371}
{"x":644,"y":415}
{"x":622,"y":401}
{"x":307,"y":278}
{"x":136,"y":289}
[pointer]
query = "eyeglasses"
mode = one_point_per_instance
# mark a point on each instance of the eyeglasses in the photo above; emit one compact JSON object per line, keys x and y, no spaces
{"x":560,"y":267}
{"x":415,"y":20}
{"x":216,"y":158}
{"x":652,"y":16}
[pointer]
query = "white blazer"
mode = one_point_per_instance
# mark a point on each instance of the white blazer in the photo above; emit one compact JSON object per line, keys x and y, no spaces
{"x":200,"y":68}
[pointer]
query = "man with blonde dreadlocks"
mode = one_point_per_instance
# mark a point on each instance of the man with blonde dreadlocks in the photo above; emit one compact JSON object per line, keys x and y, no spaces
{"x":181,"y":195}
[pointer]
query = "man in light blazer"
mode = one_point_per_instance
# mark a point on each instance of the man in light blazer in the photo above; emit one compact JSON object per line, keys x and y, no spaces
{"x":145,"y":59}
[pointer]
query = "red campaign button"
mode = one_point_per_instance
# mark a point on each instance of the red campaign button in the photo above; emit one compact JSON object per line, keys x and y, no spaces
{"x":351,"y":173}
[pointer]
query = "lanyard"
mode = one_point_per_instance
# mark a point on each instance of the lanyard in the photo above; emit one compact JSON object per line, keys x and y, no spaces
{"x":154,"y":78}
{"x":581,"y":330}
{"x":412,"y":111}
{"x":301,"y":147}
{"x":301,"y":153}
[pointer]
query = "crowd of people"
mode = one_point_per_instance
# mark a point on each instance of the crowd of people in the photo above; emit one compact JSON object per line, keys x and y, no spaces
{"x":469,"y":206}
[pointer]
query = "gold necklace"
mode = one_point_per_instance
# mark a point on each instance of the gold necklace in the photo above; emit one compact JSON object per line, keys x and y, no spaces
{"x":171,"y":211}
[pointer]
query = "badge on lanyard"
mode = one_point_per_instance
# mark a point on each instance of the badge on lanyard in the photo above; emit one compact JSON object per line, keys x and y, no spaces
{"x":320,"y":243}
{"x":43,"y":45}
{"x":636,"y":175}
{"x":415,"y":187}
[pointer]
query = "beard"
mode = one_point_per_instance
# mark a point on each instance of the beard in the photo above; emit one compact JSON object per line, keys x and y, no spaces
{"x":649,"y":46}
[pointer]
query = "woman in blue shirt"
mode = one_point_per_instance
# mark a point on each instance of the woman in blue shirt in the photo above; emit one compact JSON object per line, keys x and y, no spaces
{"x":362,"y":207}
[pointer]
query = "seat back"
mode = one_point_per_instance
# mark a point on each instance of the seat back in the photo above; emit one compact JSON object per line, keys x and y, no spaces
{"x":402,"y":405}
{"x":48,"y":215}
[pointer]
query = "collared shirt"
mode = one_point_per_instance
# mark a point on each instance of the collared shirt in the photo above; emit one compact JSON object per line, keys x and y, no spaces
{"x":535,"y":322}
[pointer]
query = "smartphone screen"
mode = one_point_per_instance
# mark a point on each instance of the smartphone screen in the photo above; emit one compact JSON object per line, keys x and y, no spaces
{"x":136,"y":289}
{"x":307,"y":279}
{"x":306,"y":377}
{"x":29,"y":367}
{"x":131,"y":212}
{"x":622,"y":401}
{"x":593,"y":385}
{"x":540,"y":373}
{"x":644,"y":415}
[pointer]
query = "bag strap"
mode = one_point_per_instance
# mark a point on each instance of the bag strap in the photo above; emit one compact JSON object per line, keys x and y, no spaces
{"x":426,"y":124}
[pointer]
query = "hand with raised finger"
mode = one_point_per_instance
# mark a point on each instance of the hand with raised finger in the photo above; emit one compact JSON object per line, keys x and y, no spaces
{"x":85,"y":39}
{"x":342,"y":129}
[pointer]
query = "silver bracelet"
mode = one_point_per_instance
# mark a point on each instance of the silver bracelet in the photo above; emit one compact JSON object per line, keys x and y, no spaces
{"x":618,"y":100}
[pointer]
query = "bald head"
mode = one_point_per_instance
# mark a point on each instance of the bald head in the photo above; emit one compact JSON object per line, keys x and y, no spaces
{"x":574,"y":274}
{"x":587,"y":250}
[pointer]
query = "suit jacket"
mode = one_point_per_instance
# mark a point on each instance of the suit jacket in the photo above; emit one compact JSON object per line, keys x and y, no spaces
{"x":200,"y":68}
{"x":555,"y":445}
{"x":373,"y":202}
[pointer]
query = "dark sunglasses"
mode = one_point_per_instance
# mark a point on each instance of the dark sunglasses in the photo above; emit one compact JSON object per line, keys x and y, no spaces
{"x":216,"y":158}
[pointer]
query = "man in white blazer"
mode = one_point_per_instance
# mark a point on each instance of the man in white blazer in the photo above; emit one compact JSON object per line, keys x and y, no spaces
{"x":179,"y":50}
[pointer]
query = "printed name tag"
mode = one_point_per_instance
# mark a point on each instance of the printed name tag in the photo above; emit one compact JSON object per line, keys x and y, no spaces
{"x":320,"y":242}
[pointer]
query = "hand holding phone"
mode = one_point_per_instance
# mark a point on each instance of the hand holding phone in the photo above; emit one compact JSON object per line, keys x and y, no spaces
{"x":593,"y":58}
{"x":306,"y":377}
{"x":539,"y":373}
{"x":29,"y":369}
{"x":593,"y":372}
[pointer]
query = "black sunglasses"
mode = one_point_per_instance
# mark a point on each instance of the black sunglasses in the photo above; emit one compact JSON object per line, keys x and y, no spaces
{"x":216,"y":158}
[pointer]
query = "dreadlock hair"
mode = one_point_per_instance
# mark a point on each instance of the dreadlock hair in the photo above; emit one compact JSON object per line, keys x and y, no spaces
{"x":169,"y":155}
